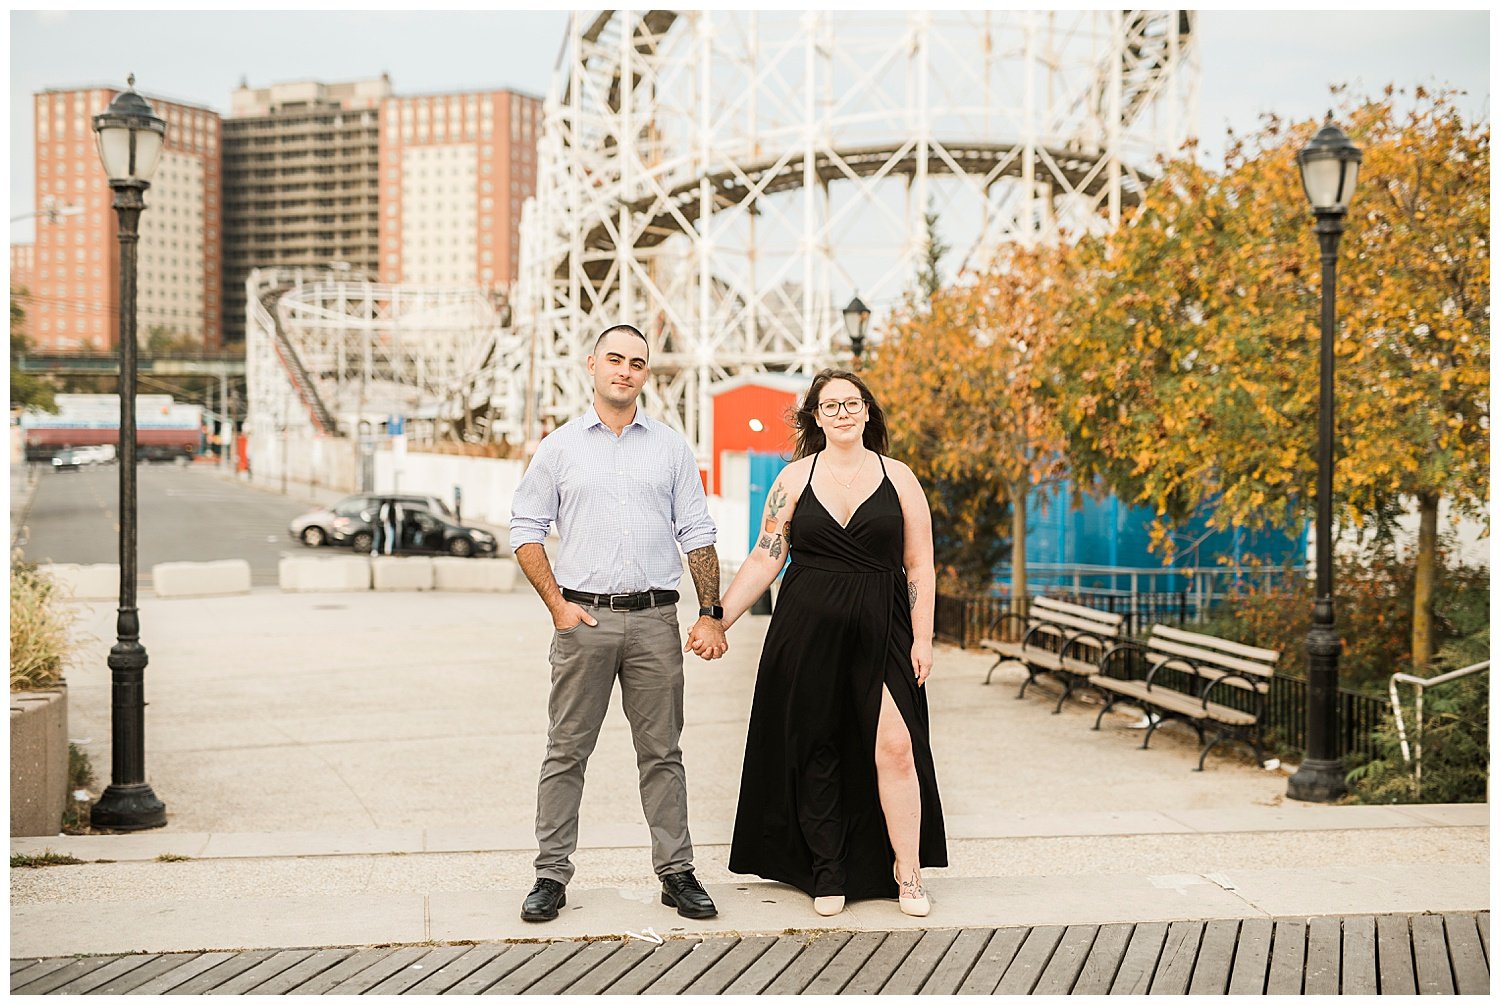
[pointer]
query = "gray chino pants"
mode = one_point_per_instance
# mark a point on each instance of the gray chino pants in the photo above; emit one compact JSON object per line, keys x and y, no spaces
{"x":644,"y":650}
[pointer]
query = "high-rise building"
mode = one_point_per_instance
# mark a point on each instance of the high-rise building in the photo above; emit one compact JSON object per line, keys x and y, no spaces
{"x":74,"y":300}
{"x":301,"y":163}
{"x":22,"y":262}
{"x":454,"y":171}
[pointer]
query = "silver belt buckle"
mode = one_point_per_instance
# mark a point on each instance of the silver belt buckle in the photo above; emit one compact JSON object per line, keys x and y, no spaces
{"x":612,"y":607}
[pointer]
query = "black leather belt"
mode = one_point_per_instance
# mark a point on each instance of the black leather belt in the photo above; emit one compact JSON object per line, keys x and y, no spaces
{"x":623,"y":601}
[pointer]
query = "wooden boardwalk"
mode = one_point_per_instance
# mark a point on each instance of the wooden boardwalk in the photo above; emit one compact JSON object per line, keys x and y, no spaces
{"x":1384,"y":954}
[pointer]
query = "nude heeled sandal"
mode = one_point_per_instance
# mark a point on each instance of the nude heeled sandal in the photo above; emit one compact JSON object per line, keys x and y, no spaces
{"x":917,"y":905}
{"x":829,"y":906}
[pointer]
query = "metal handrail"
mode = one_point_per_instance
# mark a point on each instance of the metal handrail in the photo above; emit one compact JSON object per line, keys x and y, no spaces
{"x":1422,"y":684}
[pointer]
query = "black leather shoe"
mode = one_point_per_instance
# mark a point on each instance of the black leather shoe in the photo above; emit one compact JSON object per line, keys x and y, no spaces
{"x":683,"y":891}
{"x":543,"y":901}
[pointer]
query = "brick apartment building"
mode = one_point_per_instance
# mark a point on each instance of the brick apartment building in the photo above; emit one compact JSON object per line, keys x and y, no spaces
{"x":73,"y":300}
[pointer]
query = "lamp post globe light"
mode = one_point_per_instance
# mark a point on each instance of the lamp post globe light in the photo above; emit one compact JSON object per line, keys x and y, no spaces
{"x":130,"y":138}
{"x":1330,"y":168}
{"x":856,"y":324}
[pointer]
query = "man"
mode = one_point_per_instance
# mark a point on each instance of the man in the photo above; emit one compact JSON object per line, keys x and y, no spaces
{"x":625,"y":494}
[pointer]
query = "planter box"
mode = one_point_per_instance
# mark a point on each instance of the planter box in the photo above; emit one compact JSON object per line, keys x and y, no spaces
{"x":38,"y":761}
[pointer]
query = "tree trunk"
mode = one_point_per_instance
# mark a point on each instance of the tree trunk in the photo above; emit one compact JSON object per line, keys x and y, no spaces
{"x":1018,"y":549}
{"x":1421,"y":619}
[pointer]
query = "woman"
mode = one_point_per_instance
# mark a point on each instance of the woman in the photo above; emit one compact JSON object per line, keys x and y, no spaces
{"x":838,"y":796}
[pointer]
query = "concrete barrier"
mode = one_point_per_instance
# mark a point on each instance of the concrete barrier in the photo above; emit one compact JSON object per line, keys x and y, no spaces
{"x":390,"y":572}
{"x":475,"y":575}
{"x":85,"y":582}
{"x":201,"y":579}
{"x":38,"y":761}
{"x":324,"y":575}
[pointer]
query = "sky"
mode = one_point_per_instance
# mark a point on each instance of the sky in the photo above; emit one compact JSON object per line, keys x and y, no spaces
{"x":1251,"y":62}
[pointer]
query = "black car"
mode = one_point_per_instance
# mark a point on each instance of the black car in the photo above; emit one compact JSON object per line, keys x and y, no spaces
{"x":423,"y":532}
{"x":344,"y":522}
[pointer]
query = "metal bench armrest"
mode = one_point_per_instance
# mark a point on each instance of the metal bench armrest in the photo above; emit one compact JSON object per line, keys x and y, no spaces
{"x":1255,"y":689}
{"x":1120,"y":648}
{"x":1189,"y":664}
{"x":989,"y":632}
{"x":1070,"y":640}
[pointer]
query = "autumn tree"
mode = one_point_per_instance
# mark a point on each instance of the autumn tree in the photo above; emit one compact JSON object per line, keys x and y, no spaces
{"x":1190,"y":377}
{"x":26,"y":390}
{"x":959,"y":384}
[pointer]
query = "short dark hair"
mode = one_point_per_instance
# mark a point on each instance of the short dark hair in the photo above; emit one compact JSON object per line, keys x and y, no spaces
{"x":622,"y":327}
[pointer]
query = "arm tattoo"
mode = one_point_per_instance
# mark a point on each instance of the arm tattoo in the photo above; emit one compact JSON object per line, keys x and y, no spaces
{"x":911,"y":595}
{"x":764,"y":542}
{"x":774,"y":505}
{"x":775,"y":547}
{"x":703,"y":563}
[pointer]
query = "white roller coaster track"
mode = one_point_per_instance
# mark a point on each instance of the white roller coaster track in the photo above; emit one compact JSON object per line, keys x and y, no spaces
{"x":726,"y":181}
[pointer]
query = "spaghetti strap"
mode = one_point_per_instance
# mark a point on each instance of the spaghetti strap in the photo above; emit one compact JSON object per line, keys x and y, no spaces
{"x":882,"y":464}
{"x":814,"y":466}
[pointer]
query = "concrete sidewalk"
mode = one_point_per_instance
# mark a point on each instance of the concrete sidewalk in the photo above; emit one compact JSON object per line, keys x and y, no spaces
{"x":348,"y":769}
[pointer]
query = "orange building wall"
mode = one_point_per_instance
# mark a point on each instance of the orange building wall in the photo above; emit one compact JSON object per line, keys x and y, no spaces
{"x":733,"y":410}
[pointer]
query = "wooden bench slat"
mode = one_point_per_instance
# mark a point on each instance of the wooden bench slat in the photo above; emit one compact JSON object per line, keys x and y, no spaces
{"x":1214,"y":642}
{"x":1104,"y":629}
{"x":1174,"y":701}
{"x":1212,"y":674}
{"x":1076,"y":610}
{"x":1205,"y":656}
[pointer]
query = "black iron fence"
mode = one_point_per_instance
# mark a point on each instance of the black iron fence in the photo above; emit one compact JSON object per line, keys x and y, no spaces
{"x":965,"y":621}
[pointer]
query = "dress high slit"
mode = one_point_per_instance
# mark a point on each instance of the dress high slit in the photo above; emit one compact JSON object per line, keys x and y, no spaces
{"x":809,"y":806}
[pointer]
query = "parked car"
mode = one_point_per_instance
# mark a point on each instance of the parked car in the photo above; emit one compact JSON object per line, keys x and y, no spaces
{"x":65,"y":460}
{"x":424,"y":532}
{"x":343,"y":522}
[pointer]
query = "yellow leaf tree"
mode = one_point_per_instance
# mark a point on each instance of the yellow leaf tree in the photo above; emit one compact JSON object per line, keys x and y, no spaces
{"x":1189,"y":376}
{"x":959,"y":381}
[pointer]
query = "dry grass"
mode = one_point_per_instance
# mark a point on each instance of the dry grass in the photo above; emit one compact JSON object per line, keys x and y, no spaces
{"x":40,"y":645}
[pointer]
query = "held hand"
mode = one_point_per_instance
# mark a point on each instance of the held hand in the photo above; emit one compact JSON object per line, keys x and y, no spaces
{"x":921,"y":661}
{"x":706,"y":638}
{"x":569,"y":615}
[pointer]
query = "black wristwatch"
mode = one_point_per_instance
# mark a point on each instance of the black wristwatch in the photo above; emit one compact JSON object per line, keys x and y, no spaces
{"x":716,"y":612}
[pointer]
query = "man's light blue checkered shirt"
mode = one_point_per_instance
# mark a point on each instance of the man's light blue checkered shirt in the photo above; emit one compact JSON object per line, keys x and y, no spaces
{"x":623,"y":505}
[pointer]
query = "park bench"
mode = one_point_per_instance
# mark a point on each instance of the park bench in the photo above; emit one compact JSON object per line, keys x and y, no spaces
{"x":1187,"y":670}
{"x":1067,"y":641}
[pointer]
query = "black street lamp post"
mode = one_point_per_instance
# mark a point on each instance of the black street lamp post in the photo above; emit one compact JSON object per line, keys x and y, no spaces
{"x":856,"y":324}
{"x":130,"y":139}
{"x":1330,"y":168}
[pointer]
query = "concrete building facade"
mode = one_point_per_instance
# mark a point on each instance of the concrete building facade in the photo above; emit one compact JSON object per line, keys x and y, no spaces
{"x":74,"y":298}
{"x":301,"y":172}
{"x":454,"y":172}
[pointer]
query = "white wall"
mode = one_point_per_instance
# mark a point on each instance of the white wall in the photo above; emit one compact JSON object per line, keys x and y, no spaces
{"x":487,"y":483}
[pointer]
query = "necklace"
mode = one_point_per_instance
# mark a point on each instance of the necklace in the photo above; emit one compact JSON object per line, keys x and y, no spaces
{"x":860,"y":467}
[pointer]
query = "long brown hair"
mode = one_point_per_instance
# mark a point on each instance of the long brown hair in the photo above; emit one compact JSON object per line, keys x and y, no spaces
{"x":810,"y":436}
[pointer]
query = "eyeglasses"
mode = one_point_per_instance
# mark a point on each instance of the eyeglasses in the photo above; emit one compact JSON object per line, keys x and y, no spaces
{"x":851,"y":405}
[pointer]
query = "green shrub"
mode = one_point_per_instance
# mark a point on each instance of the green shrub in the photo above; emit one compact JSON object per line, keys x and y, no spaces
{"x":40,"y":643}
{"x":1373,"y":597}
{"x":1455,"y":749}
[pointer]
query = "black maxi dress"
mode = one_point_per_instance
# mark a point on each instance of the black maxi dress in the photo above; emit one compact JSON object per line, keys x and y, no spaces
{"x":809,"y":809}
